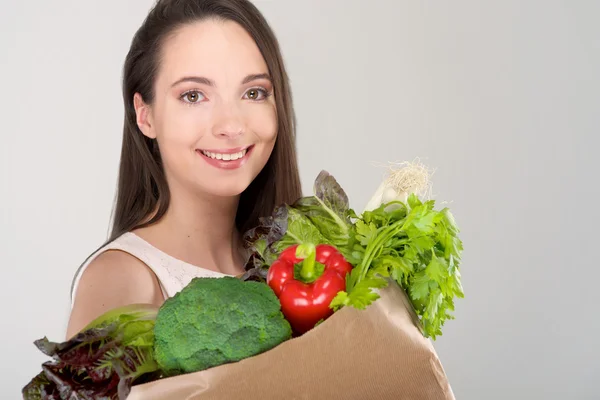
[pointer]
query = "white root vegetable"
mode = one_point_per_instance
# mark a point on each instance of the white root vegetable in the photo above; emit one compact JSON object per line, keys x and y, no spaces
{"x":390,"y":194}
{"x":402,"y":180}
{"x":377,"y":198}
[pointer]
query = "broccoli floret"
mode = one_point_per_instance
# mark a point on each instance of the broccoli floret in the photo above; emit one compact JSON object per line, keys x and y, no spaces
{"x":214,"y":321}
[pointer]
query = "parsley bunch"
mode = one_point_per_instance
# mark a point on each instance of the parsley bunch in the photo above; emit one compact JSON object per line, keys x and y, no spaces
{"x":415,"y":245}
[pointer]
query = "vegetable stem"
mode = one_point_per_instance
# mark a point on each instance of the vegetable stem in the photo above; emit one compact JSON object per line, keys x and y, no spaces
{"x":377,"y":244}
{"x":309,"y":253}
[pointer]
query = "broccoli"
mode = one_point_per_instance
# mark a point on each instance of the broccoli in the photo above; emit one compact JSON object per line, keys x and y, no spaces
{"x":215,"y":321}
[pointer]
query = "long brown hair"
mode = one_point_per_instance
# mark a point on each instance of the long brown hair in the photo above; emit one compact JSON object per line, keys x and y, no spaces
{"x":142,"y":192}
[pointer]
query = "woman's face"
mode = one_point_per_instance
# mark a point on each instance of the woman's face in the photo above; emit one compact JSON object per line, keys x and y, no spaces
{"x":214,"y":115}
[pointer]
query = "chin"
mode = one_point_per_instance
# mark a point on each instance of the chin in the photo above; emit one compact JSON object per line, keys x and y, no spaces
{"x":226,"y":187}
{"x":226,"y":191}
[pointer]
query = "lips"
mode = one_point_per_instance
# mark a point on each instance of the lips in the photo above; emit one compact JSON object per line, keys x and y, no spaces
{"x":226,"y":158}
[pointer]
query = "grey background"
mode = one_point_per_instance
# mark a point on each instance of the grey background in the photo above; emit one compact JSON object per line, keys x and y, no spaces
{"x":501,"y":98}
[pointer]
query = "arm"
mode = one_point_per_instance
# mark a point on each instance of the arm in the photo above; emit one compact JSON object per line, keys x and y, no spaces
{"x":112,"y":280}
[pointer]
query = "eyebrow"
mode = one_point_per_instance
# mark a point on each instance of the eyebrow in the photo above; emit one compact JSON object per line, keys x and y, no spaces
{"x":209,"y":82}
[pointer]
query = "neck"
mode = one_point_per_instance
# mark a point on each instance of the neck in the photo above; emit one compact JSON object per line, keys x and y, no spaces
{"x":200,"y":230}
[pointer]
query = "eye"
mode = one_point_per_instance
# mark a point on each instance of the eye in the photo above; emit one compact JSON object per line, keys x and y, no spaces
{"x":193,"y":96}
{"x":257,"y":94}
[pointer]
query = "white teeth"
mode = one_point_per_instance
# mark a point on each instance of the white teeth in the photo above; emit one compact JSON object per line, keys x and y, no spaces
{"x":226,"y":156}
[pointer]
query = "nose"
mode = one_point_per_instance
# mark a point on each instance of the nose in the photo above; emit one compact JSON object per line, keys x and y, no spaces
{"x":228,"y":121}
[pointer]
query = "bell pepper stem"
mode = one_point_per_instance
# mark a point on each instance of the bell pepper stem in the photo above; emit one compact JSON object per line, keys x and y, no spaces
{"x":309,"y":255}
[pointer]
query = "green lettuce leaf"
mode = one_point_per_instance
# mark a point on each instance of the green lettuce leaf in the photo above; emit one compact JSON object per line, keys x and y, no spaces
{"x":324,"y":218}
{"x":328,"y":210}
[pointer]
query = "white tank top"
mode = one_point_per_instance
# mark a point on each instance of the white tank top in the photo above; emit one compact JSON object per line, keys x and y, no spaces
{"x":173,"y":274}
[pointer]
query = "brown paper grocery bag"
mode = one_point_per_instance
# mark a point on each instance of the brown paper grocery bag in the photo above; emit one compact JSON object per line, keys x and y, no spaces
{"x":373,"y":354}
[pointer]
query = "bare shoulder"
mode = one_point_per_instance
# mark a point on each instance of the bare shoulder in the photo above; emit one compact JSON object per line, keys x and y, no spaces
{"x":113,"y":279}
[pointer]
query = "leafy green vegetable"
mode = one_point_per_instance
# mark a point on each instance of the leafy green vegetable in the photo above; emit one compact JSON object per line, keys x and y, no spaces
{"x":301,"y":230}
{"x":214,"y":321}
{"x":416,"y":246}
{"x":328,"y":210}
{"x":103,"y":361}
{"x":323,"y":218}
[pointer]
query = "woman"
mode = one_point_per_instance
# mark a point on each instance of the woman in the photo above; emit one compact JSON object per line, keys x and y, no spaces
{"x":208,"y":147}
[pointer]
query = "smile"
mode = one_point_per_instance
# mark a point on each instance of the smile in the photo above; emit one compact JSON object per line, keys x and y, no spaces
{"x":226,"y":158}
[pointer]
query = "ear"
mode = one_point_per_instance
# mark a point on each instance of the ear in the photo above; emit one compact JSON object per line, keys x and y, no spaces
{"x":143,"y":116}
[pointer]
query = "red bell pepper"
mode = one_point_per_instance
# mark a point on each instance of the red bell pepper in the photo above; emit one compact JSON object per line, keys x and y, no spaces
{"x":303,"y":290}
